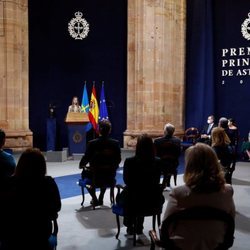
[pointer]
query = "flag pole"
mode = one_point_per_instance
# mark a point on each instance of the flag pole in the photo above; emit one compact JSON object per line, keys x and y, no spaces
{"x":94,"y":134}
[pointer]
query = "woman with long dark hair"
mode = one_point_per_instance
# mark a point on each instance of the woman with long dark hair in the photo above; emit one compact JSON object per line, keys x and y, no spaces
{"x":141,"y":174}
{"x":31,"y":204}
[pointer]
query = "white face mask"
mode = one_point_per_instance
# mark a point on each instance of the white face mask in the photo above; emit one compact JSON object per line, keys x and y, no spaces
{"x":209,"y":121}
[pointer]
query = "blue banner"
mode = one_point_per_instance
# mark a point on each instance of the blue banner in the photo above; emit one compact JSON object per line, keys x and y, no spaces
{"x":218,"y":62}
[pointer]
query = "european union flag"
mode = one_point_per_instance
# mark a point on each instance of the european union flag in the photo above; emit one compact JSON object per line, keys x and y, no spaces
{"x":103,"y":114}
{"x":85,"y":106}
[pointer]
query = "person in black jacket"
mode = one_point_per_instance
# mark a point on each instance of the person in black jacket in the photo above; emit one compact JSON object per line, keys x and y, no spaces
{"x":141,"y":174}
{"x":29,"y":205}
{"x":233,"y":136}
{"x":168,"y":149}
{"x":205,"y":135}
{"x":94,"y":157}
{"x":224,"y":151}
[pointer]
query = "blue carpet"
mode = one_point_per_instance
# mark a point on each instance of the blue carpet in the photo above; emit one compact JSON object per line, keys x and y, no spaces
{"x":68,"y":186}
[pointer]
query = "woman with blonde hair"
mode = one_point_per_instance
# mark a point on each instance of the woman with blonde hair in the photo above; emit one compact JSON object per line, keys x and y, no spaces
{"x":204,"y":186}
{"x":221,"y":146}
{"x":75,"y":105}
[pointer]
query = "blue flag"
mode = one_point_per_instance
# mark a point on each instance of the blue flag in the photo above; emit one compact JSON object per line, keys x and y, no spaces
{"x":85,"y":106}
{"x":103,"y":113}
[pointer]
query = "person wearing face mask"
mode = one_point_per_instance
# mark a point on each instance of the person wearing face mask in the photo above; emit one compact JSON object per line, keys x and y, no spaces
{"x":205,"y":136}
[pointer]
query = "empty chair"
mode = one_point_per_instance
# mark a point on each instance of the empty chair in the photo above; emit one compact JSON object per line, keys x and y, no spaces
{"x":190,"y":137}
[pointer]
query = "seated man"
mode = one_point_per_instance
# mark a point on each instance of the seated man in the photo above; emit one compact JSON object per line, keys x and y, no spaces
{"x":97,"y":162}
{"x":205,"y":136}
{"x":168,"y":149}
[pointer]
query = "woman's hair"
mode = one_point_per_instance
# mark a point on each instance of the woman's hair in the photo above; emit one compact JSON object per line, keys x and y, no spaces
{"x":75,"y":97}
{"x":145,"y":147}
{"x":232,"y":120}
{"x":203,"y":172}
{"x":219,"y":137}
{"x":223,"y":122}
{"x":31,"y":164}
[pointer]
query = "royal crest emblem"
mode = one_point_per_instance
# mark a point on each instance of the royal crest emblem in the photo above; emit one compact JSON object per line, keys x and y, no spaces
{"x":78,"y":27}
{"x":77,"y":137}
{"x":245,"y":28}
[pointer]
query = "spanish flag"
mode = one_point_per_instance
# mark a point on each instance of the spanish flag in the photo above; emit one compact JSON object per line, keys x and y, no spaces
{"x":94,"y":110}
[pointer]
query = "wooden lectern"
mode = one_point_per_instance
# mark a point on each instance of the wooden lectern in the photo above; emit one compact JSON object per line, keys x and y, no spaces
{"x":76,"y":131}
{"x":77,"y":118}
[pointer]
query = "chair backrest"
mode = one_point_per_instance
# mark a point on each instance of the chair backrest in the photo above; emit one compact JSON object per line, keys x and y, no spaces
{"x":169,"y":151}
{"x":202,"y":214}
{"x":104,"y":167}
{"x":191,"y":134}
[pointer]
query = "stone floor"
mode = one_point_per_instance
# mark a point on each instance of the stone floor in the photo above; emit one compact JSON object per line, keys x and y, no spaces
{"x":83,"y":228}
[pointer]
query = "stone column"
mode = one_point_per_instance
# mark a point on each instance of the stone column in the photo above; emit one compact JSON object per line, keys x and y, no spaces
{"x":14,"y":109}
{"x":156,"y":55}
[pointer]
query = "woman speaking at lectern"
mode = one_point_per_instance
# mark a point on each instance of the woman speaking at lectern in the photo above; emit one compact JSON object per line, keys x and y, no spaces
{"x":75,"y":106}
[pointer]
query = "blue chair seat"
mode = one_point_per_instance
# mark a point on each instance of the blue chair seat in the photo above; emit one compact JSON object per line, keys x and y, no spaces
{"x":84,"y":182}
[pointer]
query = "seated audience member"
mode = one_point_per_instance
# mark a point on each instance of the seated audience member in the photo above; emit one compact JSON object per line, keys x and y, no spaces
{"x":7,"y":161}
{"x":143,"y":192}
{"x":75,"y":106}
{"x":168,"y":149}
{"x":204,"y":186}
{"x":233,"y":131}
{"x":30,"y":205}
{"x":245,"y":149}
{"x":205,"y":136}
{"x":223,"y":150}
{"x":94,"y":147}
{"x":233,"y":135}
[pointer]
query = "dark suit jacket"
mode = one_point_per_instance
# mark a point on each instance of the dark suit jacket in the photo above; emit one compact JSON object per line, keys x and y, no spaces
{"x":168,"y":149}
{"x":99,"y":144}
{"x":204,"y":130}
{"x":104,"y":155}
{"x":142,"y":179}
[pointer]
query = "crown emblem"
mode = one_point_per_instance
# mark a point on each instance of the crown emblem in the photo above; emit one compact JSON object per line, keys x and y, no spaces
{"x":77,"y":137}
{"x":245,"y":28}
{"x":78,"y":14}
{"x":78,"y":27}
